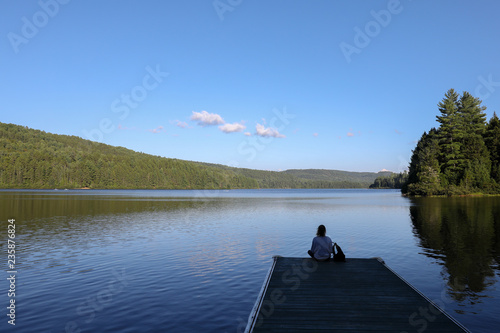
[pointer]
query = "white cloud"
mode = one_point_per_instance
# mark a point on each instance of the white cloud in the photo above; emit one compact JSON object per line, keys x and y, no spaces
{"x":231,"y":128}
{"x":180,"y":124}
{"x":125,"y":128}
{"x":207,"y":119}
{"x":248,"y":134}
{"x":159,"y":129}
{"x":351,"y":133}
{"x":315,"y":135}
{"x":268,"y":132}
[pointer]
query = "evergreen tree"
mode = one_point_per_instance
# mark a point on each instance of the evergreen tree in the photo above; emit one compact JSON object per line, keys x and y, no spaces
{"x":450,"y":134}
{"x":492,"y":140}
{"x":424,"y":172}
{"x":463,"y":152}
{"x":476,"y":164}
{"x":473,"y":118}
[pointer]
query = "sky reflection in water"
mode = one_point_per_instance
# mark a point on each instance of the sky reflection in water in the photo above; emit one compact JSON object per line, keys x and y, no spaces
{"x":195,"y":260}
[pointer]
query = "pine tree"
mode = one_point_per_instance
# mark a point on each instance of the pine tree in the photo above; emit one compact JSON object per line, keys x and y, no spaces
{"x":492,"y":140}
{"x":473,"y":119}
{"x":424,"y":172}
{"x":476,"y":164}
{"x":450,"y":135}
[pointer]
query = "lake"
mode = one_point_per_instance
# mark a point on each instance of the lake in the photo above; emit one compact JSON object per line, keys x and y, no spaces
{"x":194,"y":261}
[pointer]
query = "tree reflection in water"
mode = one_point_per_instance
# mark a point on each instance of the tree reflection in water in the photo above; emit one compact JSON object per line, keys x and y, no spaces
{"x":463,"y":234}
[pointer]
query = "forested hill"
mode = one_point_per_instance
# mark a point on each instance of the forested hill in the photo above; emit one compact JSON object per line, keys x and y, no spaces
{"x":338,"y":176}
{"x":35,"y":159}
{"x":307,"y":178}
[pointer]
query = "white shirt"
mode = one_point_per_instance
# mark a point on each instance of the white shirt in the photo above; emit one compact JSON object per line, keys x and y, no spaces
{"x":321,"y":247}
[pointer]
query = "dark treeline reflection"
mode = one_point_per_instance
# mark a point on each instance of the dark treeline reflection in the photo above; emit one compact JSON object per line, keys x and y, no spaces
{"x":47,"y":221}
{"x":28,"y":206}
{"x":463,"y":234}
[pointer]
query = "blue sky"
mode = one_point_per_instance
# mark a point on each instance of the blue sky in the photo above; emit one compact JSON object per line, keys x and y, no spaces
{"x":272,"y":85}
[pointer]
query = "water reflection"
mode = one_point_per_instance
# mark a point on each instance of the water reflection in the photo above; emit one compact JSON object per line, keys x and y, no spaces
{"x":208,"y":253}
{"x":463,"y":234}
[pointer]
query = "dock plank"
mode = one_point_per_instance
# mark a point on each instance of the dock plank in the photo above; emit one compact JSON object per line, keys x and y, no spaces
{"x":361,"y":295}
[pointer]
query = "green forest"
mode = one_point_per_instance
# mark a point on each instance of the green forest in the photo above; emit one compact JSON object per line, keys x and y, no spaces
{"x":34,"y":159}
{"x":461,"y":156}
{"x":392,"y":181}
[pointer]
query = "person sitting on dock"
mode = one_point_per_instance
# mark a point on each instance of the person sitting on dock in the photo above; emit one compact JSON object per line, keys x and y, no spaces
{"x":321,"y":248}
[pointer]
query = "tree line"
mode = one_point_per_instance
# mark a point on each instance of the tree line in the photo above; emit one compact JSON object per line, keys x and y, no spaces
{"x":462,"y":155}
{"x":34,"y":159}
{"x":393,"y":181}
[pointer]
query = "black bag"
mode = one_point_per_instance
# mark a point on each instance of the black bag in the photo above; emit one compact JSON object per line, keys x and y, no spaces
{"x":339,"y":256}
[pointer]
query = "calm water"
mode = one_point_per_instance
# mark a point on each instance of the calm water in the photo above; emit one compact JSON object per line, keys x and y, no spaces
{"x":194,"y":261}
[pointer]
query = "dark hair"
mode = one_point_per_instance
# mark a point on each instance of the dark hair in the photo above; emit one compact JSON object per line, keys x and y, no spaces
{"x":321,"y":231}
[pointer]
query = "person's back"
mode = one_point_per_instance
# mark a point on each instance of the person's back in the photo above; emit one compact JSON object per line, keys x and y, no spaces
{"x":321,"y":248}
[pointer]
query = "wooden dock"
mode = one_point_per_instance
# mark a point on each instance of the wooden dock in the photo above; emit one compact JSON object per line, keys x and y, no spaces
{"x":360,"y":295}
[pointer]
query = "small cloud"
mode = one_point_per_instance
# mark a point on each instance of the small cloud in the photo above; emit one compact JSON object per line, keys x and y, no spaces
{"x":125,"y":128}
{"x":351,"y":133}
{"x":398,"y":132}
{"x":180,"y":124}
{"x":248,"y":134}
{"x":232,"y":128}
{"x":159,"y":129}
{"x":315,"y":135}
{"x":268,"y":132}
{"x":207,"y":119}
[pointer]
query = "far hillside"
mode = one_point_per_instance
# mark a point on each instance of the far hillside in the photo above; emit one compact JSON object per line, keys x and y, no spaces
{"x":365,"y":179}
{"x":34,"y":159}
{"x":307,"y":178}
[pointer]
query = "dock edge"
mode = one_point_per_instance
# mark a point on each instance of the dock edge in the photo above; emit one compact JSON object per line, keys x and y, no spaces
{"x":254,"y":314}
{"x":425,"y":297}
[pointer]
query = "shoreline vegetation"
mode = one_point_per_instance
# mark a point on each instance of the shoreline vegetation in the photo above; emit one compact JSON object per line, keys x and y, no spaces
{"x":459,"y":158}
{"x":34,"y":159}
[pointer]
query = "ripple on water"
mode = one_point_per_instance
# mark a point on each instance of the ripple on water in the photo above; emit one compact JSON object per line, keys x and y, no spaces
{"x":126,"y":263}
